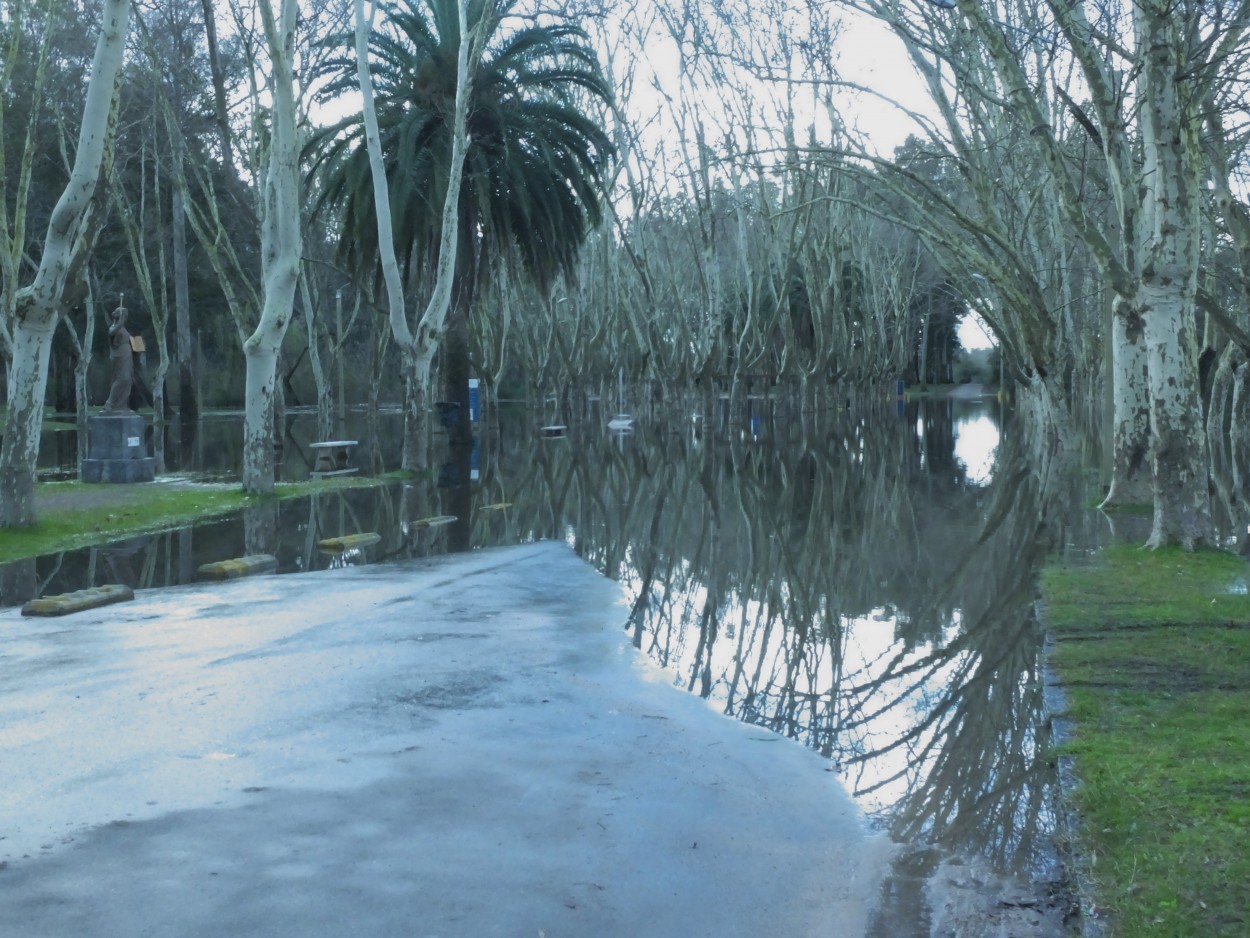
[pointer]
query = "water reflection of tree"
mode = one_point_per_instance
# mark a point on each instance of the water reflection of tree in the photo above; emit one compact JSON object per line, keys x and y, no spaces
{"x":850,"y":589}
{"x":837,"y":578}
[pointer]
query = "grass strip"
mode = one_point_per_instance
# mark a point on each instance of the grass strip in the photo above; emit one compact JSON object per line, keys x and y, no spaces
{"x":1153,"y":648}
{"x":73,"y":515}
{"x":50,"y":425}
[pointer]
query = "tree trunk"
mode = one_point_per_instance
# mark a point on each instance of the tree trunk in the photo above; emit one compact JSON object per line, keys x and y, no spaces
{"x":220,"y":111}
{"x":258,"y":416}
{"x":339,"y":347}
{"x":1239,"y":443}
{"x":80,"y":410}
{"x":71,"y":234}
{"x":378,"y":350}
{"x":1228,"y":396}
{"x":159,"y":405}
{"x":281,"y":247}
{"x":922,"y":367}
{"x":81,"y":392}
{"x":28,"y":376}
{"x":1170,"y":147}
{"x":314,"y":359}
{"x":188,"y":406}
{"x":1221,"y":396}
{"x":455,"y":375}
{"x":1182,"y":511}
{"x":1130,"y":430}
{"x":416,"y":366}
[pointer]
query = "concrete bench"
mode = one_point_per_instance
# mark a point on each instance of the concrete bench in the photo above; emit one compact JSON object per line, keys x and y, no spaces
{"x":78,"y":600}
{"x":332,"y":458}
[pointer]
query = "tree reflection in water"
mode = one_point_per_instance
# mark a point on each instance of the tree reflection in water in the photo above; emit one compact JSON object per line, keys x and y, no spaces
{"x":841,"y":577}
{"x":849,"y":586}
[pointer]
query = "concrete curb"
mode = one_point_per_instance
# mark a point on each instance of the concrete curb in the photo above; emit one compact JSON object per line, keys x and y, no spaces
{"x":1067,"y":820}
{"x":65,"y":603}
{"x":346,"y":542}
{"x":239,"y":566}
{"x":435,"y":522}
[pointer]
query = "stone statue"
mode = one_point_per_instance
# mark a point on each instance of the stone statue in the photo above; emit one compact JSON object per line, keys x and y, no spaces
{"x":121,"y":358}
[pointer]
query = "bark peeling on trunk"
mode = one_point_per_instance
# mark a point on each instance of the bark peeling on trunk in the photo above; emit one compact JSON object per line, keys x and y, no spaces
{"x":36,"y":308}
{"x":282,"y":245}
{"x":1171,"y":156}
{"x":1130,"y":434}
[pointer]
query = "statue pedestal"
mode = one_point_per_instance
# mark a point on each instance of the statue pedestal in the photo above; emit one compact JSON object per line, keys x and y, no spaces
{"x":115,"y":450}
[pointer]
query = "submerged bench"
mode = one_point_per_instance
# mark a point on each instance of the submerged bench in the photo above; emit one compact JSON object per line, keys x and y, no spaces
{"x":332,"y":458}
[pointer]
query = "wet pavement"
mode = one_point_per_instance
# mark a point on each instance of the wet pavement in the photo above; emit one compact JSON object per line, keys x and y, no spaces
{"x":459,"y":746}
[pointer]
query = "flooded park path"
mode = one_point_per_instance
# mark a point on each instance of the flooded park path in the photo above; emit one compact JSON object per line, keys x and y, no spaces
{"x":310,"y":755}
{"x":865,"y":588}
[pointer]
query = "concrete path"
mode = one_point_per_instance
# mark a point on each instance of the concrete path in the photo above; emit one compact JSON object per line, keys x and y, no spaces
{"x":460,"y":747}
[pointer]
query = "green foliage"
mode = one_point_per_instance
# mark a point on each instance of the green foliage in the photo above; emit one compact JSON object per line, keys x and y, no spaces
{"x":41,"y":105}
{"x":976,"y":367}
{"x":1154,"y":649}
{"x":534,"y":172}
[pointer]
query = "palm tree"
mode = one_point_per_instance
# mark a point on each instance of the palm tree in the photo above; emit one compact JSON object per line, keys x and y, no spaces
{"x":534,"y":169}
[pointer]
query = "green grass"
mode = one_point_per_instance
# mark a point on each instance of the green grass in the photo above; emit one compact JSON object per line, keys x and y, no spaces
{"x":1154,"y":649}
{"x":73,"y":515}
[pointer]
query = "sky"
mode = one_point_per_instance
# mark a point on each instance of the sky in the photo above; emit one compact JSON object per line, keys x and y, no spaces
{"x":870,"y":55}
{"x":867,"y":54}
{"x":974,"y":334}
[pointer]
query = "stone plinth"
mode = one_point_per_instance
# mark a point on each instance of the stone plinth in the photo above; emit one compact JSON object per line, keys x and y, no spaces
{"x":116,"y":451}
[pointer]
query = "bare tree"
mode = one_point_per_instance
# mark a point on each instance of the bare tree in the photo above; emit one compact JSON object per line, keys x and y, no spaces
{"x":32,"y":312}
{"x":417,"y":346}
{"x":281,"y":248}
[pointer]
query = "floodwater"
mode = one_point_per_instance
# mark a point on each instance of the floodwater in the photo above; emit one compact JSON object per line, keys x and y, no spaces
{"x":862,"y":582}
